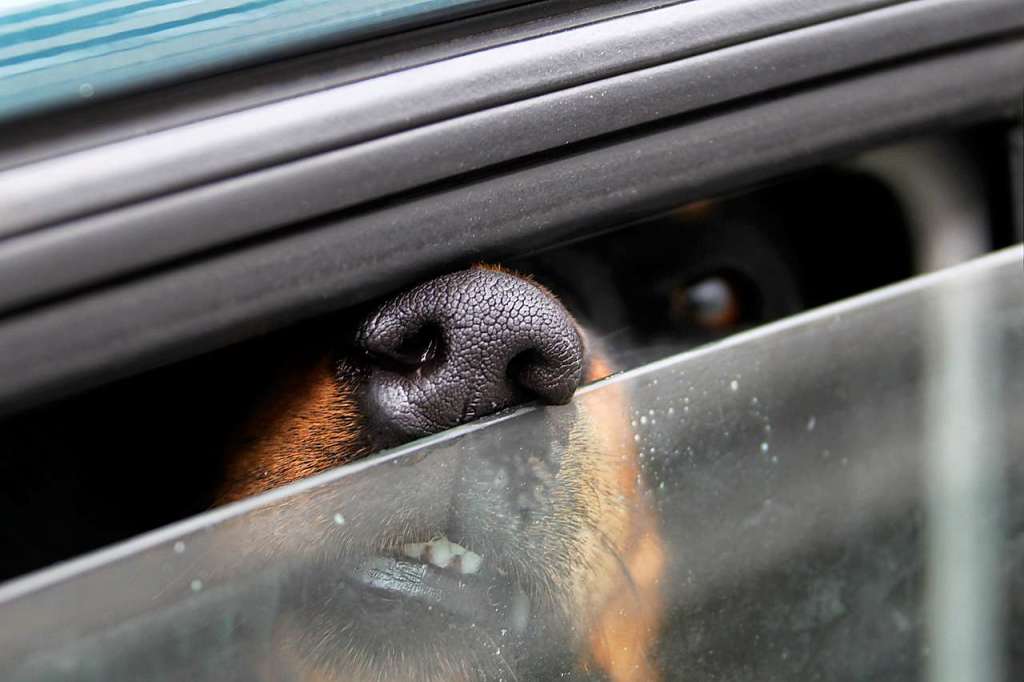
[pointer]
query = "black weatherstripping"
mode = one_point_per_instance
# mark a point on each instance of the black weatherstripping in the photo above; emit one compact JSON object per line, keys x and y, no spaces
{"x":717,"y":67}
{"x":119,"y":330}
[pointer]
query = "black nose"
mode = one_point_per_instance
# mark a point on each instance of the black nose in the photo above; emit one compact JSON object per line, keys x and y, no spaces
{"x":463,"y":346}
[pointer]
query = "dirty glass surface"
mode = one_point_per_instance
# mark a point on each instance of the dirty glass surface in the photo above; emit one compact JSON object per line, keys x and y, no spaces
{"x":57,"y":51}
{"x":833,"y":497}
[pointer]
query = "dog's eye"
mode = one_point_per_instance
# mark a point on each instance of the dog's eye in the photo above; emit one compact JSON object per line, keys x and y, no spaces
{"x":715,"y":303}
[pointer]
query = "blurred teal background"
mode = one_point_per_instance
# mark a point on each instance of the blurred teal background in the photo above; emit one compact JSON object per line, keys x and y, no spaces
{"x":54,"y":52}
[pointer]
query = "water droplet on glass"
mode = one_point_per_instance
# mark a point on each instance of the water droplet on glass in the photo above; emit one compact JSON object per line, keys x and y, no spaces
{"x":764,"y":447}
{"x":339,"y":519}
{"x":196,"y":585}
{"x":643,"y":420}
{"x":734,"y":385}
{"x":179,"y":547}
{"x":86,"y":90}
{"x":810,"y":423}
{"x":671,"y":410}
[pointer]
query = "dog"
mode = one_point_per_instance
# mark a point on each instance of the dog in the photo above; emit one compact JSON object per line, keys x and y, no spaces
{"x":453,"y":349}
{"x":524,"y":560}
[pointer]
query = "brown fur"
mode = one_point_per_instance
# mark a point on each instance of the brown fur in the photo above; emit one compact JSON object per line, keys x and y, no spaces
{"x":310,"y":424}
{"x":621,"y":638}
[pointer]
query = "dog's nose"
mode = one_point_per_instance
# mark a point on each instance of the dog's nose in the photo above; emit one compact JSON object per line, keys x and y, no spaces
{"x":462,"y":346}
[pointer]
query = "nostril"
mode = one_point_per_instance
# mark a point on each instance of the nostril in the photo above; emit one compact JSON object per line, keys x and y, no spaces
{"x":552,"y":377}
{"x":519,"y":372}
{"x":419,"y":349}
{"x":519,"y":366}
